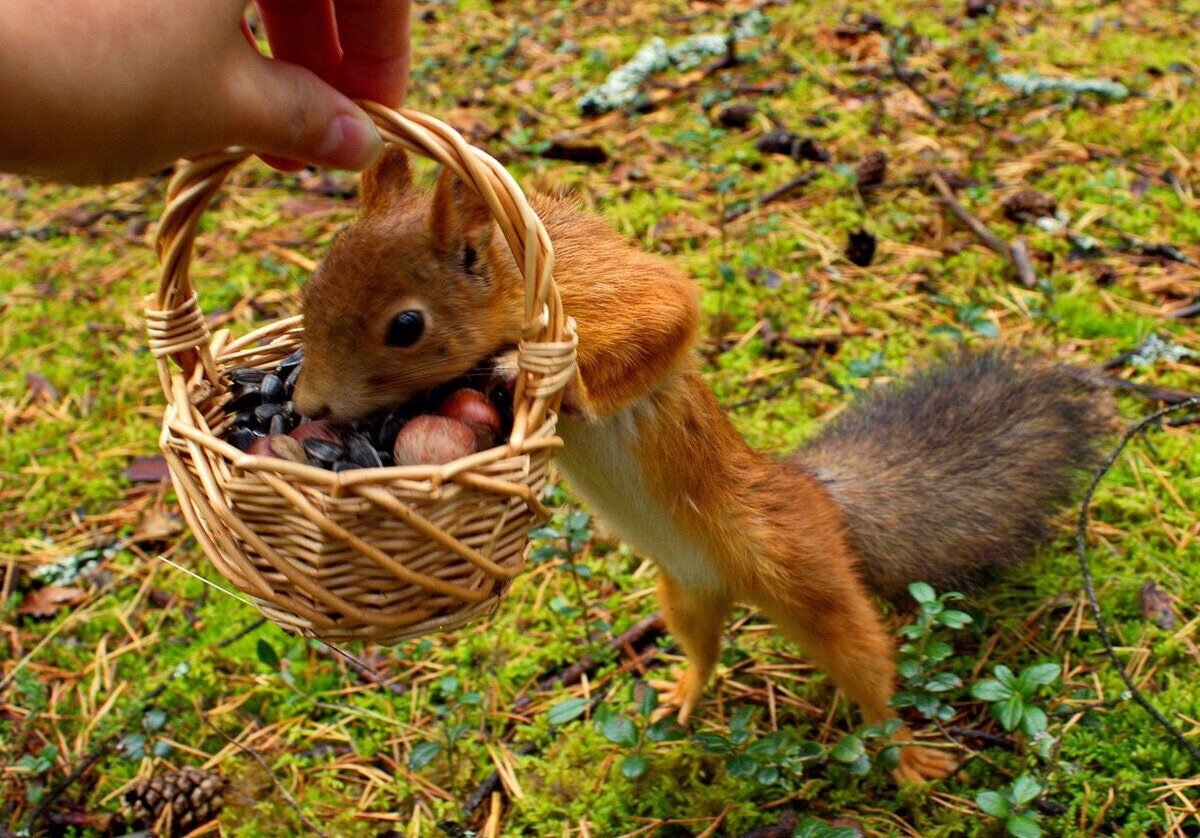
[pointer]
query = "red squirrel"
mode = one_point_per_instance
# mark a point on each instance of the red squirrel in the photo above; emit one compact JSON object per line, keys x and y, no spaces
{"x":948,"y":475}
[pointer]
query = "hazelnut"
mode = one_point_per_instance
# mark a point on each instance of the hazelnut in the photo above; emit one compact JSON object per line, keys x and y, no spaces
{"x":477,"y":411}
{"x":433,"y":440}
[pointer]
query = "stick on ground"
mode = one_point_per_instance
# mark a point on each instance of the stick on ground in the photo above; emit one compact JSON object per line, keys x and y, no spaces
{"x":1017,"y":253}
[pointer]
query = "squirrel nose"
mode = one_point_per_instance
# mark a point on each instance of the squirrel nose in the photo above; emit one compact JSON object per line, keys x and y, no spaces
{"x":319,"y":413}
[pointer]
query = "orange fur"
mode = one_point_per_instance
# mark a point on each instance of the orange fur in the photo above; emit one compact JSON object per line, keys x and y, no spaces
{"x":650,"y":448}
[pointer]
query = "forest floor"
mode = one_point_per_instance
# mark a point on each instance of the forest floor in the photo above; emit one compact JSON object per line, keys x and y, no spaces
{"x":116,"y":665}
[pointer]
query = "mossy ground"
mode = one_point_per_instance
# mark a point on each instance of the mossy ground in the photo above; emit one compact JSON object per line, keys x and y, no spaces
{"x":76,"y":266}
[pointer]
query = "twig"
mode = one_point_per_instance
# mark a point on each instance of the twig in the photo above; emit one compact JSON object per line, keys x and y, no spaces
{"x":774,"y":195}
{"x":1090,"y":588}
{"x":1189,"y":310}
{"x":279,"y":787}
{"x":1095,"y":377}
{"x":1017,"y":254}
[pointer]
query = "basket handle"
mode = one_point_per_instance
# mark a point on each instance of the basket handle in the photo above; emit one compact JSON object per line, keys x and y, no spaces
{"x":177,"y":329}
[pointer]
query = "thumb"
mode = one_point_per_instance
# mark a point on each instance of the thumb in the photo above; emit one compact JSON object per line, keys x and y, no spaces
{"x":287,"y":111}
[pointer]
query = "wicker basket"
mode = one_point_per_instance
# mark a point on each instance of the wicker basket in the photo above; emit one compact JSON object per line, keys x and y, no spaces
{"x":374,"y":554}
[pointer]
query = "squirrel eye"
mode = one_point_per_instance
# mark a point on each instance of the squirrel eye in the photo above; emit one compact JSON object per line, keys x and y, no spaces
{"x":406,"y":328}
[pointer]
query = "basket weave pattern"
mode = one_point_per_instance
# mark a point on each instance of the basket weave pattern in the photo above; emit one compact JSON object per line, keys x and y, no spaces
{"x":372,"y":554}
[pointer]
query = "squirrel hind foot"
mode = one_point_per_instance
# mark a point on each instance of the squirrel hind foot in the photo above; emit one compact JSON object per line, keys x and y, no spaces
{"x":920,"y":765}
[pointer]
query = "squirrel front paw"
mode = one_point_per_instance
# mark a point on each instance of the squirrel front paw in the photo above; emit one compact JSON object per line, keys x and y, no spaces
{"x":505,"y":368}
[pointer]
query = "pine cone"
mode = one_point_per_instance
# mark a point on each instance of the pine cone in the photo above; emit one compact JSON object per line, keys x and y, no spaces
{"x":194,"y":797}
{"x":1028,"y":205}
{"x":872,"y":170}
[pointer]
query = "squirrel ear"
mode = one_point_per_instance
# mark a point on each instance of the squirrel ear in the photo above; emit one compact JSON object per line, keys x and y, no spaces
{"x":390,"y":177}
{"x":460,"y":222}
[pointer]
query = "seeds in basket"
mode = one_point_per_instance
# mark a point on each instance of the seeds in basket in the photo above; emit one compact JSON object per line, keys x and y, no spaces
{"x":280,"y":446}
{"x":261,"y":402}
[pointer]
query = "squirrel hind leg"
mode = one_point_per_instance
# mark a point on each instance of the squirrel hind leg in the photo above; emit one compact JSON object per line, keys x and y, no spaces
{"x":696,"y":619}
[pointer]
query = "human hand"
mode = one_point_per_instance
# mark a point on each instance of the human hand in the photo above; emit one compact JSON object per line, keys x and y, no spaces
{"x":98,"y":91}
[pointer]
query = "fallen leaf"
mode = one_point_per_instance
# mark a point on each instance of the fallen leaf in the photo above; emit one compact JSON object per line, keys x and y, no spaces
{"x":41,"y":388}
{"x":147,"y":470}
{"x":45,"y":602}
{"x":155,"y":527}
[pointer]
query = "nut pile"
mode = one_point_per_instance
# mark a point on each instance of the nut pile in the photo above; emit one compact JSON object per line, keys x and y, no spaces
{"x":453,"y":421}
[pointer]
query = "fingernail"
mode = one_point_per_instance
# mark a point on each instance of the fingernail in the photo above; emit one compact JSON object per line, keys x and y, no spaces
{"x":350,"y":142}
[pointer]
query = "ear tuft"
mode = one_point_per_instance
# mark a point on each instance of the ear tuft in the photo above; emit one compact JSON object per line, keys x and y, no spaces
{"x":390,"y":177}
{"x":460,"y":223}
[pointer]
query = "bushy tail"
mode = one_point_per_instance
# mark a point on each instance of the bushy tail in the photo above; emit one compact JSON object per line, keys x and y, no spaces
{"x":958,"y":470}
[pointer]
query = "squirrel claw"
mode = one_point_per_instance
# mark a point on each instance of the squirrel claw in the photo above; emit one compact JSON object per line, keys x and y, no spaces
{"x":920,"y":765}
{"x":681,"y":693}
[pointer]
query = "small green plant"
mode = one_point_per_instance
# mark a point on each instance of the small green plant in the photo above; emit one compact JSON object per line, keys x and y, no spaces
{"x":1014,"y":700}
{"x":636,"y":733}
{"x":781,"y":756}
{"x":456,"y":709}
{"x":969,"y":316}
{"x":1013,"y":806}
{"x":565,"y":539}
{"x":922,"y":653}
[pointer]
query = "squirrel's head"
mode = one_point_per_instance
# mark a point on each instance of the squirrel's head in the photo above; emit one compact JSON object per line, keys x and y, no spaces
{"x":417,"y":291}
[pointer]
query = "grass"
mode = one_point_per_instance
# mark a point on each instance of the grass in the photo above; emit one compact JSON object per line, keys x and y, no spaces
{"x":81,"y":681}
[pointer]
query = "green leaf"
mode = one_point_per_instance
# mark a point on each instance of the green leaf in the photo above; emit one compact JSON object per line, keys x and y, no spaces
{"x":161,"y":748}
{"x":1005,"y":676}
{"x":566,"y":711}
{"x":267,"y":653}
{"x":713,"y":743}
{"x":993,"y":803}
{"x":942,"y":682}
{"x":770,"y":745}
{"x":633,"y":767}
{"x":908,"y":669}
{"x":742,"y":719}
{"x":620,"y":731}
{"x":986,"y":328}
{"x":154,"y":719}
{"x":768,"y":775}
{"x":922,"y":592}
{"x":647,"y":700}
{"x":1034,"y":720}
{"x":1024,"y":789}
{"x":848,"y":749}
{"x":1024,"y":825}
{"x":954,"y":619}
{"x":937,"y":651}
{"x":889,"y":757}
{"x":990,"y":690}
{"x":1010,"y":711}
{"x":1040,"y":674}
{"x":927,"y":704}
{"x":448,"y":685}
{"x":742,"y":767}
{"x":422,"y":754}
{"x":665,"y":730}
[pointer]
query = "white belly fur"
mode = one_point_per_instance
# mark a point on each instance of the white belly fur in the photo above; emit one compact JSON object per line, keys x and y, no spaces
{"x":598,"y":461}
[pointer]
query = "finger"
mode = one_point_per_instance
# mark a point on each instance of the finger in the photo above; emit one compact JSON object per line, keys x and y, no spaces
{"x":303,"y":33}
{"x":286,"y":111}
{"x":375,"y":36}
